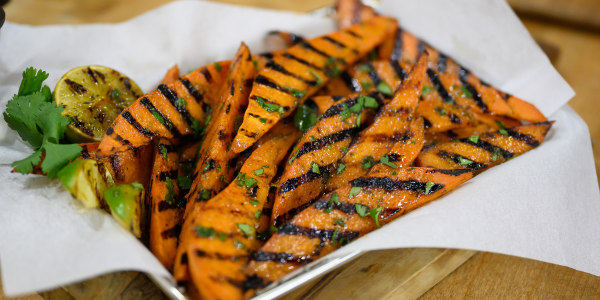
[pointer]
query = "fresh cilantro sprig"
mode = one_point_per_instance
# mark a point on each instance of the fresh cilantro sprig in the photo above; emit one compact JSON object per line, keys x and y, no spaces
{"x":39,"y":122}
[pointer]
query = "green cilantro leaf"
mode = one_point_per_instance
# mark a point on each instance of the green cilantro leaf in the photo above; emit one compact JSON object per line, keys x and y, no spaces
{"x":384,"y":88}
{"x":474,"y":138}
{"x":270,"y":107}
{"x":361,"y":210}
{"x":259,"y":172}
{"x":428,"y":187}
{"x":386,"y":161}
{"x":315,"y":168}
{"x":354,"y":191}
{"x":185,"y":183}
{"x":246,"y":229}
{"x":305,"y":118}
{"x":426,"y":90}
{"x":32,"y":81}
{"x":374,"y":212}
{"x":464,"y":161}
{"x":340,"y":168}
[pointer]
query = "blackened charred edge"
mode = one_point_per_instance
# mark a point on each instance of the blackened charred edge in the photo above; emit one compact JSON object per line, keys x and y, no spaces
{"x":75,"y":87}
{"x":172,"y":174}
{"x":489,"y":147}
{"x":401,"y":73}
{"x":426,"y":123}
{"x":191,"y":90}
{"x":454,"y":119}
{"x":206,"y":73}
{"x":254,"y":282}
{"x":435,"y":80}
{"x":352,"y":33}
{"x":322,"y":234}
{"x":267,"y":55}
{"x":529,"y":140}
{"x":397,"y":52}
{"x":85,"y":153}
{"x":232,"y":88}
{"x":309,"y":46}
{"x":455,"y":172}
{"x":335,"y":42}
{"x":394,"y":157}
{"x":442,"y":63}
{"x":277,"y":67}
{"x":262,"y":80}
{"x":302,"y":61}
{"x":282,"y":257}
{"x":311,"y":104}
{"x":172,"y":232}
{"x":210,"y":165}
{"x":220,"y":256}
{"x":110,"y":131}
{"x":373,"y":74}
{"x":293,"y":183}
{"x":288,"y":215}
{"x":326,"y":140}
{"x":462,"y":76}
{"x":131,"y":120}
{"x":152,"y":109}
{"x":172,"y":97}
{"x":337,"y":98}
{"x":115,"y":165}
{"x":350,"y":208}
{"x":90,"y":73}
{"x":267,"y":100}
{"x":457,"y":159}
{"x":351,"y":83}
{"x":389,"y":185}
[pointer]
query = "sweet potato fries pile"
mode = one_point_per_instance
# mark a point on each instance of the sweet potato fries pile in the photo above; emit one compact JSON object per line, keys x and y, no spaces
{"x":256,"y":166}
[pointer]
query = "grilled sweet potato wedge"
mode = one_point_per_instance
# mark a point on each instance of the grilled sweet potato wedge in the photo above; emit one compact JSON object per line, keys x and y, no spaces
{"x":479,"y":152}
{"x":358,"y":207}
{"x":176,"y":109}
{"x":171,"y":76}
{"x":314,"y":157}
{"x":226,"y":225}
{"x":216,"y":163}
{"x":395,"y":122}
{"x":300,"y":71}
{"x":167,"y":203}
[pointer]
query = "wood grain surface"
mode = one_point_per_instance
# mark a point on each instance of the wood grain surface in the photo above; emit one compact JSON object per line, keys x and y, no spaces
{"x":385,"y":274}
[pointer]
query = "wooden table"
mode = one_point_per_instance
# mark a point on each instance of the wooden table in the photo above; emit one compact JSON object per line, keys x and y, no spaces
{"x":569,"y":30}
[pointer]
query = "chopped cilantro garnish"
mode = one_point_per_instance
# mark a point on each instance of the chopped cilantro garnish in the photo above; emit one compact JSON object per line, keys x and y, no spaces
{"x":474,"y":138}
{"x":244,"y":181}
{"x":373,"y":55}
{"x":318,"y":78}
{"x":442,"y":111}
{"x":465,"y":92}
{"x":340,"y":168}
{"x":384,"y":88}
{"x":185,"y":183}
{"x":239,"y":244}
{"x":257,"y":214}
{"x":340,"y":222}
{"x":354,"y":191}
{"x":426,"y":90}
{"x":246,"y":229}
{"x":259,"y":172}
{"x":464,"y":162}
{"x":331,"y":67}
{"x":315,"y":168}
{"x":180,"y":102}
{"x":218,"y":67}
{"x":345,"y":112}
{"x":428,"y":187}
{"x":162,"y":149}
{"x":334,"y":198}
{"x":495,"y":155}
{"x":370,"y":102}
{"x":345,"y":149}
{"x":170,"y":196}
{"x":374,"y":212}
{"x":386,"y":161}
{"x":503,"y":131}
{"x":361,"y":209}
{"x":254,"y":202}
{"x":305,"y":118}
{"x":270,"y":107}
{"x":364,"y":68}
{"x":367,"y":162}
{"x":202,"y":231}
{"x":366,"y":85}
{"x":263,"y":120}
{"x":205,"y":194}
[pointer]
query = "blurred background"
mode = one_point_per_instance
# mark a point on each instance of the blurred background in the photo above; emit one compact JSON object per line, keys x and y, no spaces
{"x":567,"y":30}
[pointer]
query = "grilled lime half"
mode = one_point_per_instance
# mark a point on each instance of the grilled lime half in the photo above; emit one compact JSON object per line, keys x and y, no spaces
{"x":93,"y":96}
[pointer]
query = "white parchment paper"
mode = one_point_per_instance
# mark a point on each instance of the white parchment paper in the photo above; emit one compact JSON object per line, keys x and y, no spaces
{"x":543,"y":205}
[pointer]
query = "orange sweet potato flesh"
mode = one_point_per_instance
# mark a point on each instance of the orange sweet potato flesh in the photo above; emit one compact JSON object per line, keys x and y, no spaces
{"x":171,"y":75}
{"x":343,"y":215}
{"x":166,"y":213}
{"x":316,"y":153}
{"x":395,"y":122}
{"x":214,"y":168}
{"x":485,"y":150}
{"x":300,"y":71}
{"x":224,"y":230}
